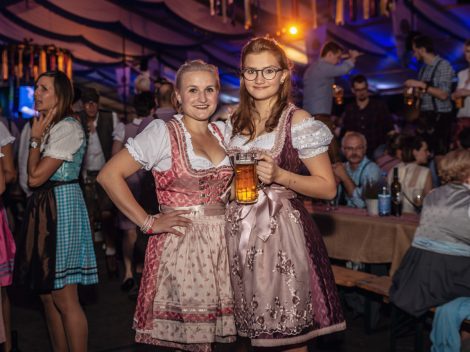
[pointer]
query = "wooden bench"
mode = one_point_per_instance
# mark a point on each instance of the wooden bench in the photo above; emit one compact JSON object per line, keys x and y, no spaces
{"x":381,"y":285}
{"x":348,"y":277}
{"x":378,"y":284}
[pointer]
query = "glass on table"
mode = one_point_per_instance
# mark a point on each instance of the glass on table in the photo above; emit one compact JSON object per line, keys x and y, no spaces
{"x":417,"y":198}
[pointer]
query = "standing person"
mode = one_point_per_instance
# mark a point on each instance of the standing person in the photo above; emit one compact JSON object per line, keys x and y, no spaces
{"x":144,"y":104}
{"x":367,"y":115}
{"x":164,"y":96}
{"x":285,"y":292}
{"x":100,"y":126}
{"x":55,"y":251}
{"x":319,"y":78}
{"x":185,"y":301}
{"x":7,"y":257}
{"x":462,"y":92}
{"x":435,"y":82}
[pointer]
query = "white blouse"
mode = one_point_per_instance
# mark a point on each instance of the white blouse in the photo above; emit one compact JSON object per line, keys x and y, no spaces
{"x":152,"y":147}
{"x":309,"y":137}
{"x":5,"y":136}
{"x":63,"y":140}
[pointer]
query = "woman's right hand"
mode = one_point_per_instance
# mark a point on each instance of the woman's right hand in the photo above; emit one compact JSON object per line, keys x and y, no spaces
{"x":41,"y":123}
{"x":168,"y":222}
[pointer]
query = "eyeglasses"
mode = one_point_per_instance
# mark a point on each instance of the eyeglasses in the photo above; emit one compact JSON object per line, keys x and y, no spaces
{"x":268,"y":73}
{"x":354,"y":149}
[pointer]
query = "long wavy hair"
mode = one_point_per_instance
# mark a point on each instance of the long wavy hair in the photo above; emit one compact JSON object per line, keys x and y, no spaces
{"x":64,"y":92}
{"x":242,"y":118}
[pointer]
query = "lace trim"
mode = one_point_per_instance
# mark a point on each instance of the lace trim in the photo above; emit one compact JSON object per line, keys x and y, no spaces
{"x":131,"y":149}
{"x":279,"y":137}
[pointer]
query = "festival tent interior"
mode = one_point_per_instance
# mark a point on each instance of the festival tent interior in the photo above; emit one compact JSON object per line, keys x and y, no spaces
{"x":113,"y":44}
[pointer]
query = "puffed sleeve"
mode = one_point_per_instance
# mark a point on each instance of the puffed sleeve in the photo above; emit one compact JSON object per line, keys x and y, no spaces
{"x":311,"y":138}
{"x":151,"y":146}
{"x":119,"y":132}
{"x":5,"y":135}
{"x":64,"y":140}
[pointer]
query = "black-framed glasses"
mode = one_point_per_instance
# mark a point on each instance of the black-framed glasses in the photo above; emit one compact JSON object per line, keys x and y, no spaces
{"x":268,"y":73}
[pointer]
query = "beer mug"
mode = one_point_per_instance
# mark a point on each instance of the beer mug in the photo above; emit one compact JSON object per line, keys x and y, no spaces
{"x":458,"y":102}
{"x":409,"y":95}
{"x":246,"y":180}
{"x":338,"y":94}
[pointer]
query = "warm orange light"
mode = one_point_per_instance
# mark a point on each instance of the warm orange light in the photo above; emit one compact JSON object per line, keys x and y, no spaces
{"x":293,"y":30}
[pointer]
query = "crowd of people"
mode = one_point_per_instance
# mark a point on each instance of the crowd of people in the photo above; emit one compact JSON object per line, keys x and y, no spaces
{"x":159,"y":191}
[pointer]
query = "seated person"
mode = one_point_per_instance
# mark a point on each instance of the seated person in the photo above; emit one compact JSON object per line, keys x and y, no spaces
{"x":392,"y":153}
{"x":463,"y":140}
{"x":412,"y":175}
{"x":436,"y":268}
{"x":357,"y":171}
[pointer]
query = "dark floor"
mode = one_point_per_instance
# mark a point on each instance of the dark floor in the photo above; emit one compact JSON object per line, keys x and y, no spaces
{"x":110,"y":311}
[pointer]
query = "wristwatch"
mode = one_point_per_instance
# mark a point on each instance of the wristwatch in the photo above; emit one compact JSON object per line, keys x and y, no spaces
{"x":34,"y":143}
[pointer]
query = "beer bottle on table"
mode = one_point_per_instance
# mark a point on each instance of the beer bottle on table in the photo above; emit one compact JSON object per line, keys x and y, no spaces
{"x":395,"y":190}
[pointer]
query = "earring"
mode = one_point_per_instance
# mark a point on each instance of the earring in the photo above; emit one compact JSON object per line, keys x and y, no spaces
{"x":282,"y":81}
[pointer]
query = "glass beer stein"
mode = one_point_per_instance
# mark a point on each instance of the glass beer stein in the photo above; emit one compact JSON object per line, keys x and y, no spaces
{"x":246,"y":180}
{"x":409,"y":96}
{"x":338,"y":94}
{"x":458,"y":102}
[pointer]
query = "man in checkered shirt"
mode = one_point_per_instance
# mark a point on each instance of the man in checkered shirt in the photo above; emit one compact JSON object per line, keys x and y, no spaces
{"x":434,"y":84}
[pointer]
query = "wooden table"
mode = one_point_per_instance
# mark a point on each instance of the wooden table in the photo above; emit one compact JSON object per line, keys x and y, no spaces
{"x":351,"y":234}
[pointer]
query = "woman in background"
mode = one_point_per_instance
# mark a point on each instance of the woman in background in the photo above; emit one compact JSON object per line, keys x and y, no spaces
{"x":413,"y":176}
{"x":55,"y":251}
{"x":436,"y":269}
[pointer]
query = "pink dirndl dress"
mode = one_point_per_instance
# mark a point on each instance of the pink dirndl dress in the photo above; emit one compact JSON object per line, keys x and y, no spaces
{"x":185,"y":299}
{"x":284,"y":288}
{"x":7,"y":259}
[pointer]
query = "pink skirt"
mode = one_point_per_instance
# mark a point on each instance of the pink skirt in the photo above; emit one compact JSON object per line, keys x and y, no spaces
{"x":7,"y":250}
{"x":185,"y":299}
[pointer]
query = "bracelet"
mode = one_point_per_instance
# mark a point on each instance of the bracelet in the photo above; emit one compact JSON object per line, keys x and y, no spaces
{"x":146,"y":227}
{"x":288,"y":183}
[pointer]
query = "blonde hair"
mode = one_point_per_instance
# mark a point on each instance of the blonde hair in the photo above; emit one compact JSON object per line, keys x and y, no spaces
{"x":455,"y":166}
{"x":195,"y":66}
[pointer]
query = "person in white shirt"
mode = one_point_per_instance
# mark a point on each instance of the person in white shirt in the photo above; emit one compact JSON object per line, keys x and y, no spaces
{"x":462,"y":94}
{"x":102,"y":128}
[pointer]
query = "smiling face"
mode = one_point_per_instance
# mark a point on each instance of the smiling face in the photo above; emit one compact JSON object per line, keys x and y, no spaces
{"x":198,"y":94}
{"x":261,"y":88}
{"x":44,"y":94}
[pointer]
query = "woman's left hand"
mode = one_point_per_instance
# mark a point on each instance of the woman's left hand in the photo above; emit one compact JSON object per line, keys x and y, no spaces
{"x":267,"y":169}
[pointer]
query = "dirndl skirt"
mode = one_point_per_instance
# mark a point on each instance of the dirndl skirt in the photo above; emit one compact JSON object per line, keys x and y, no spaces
{"x":185,"y":299}
{"x":284,"y":288}
{"x":7,"y":250}
{"x":55,"y":248}
{"x":427,"y":279}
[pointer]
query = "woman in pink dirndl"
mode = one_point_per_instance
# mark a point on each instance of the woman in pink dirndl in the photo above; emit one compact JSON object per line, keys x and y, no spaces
{"x":285,"y":293}
{"x":185,"y":300}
